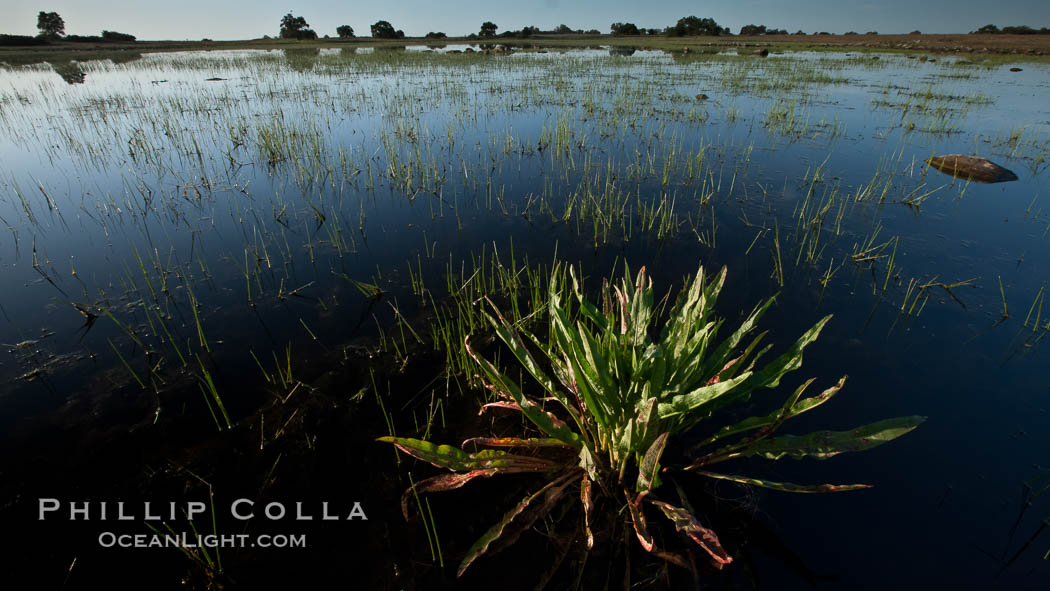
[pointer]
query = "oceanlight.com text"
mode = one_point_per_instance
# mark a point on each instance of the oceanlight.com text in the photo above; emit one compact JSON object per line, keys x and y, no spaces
{"x":187,"y":541}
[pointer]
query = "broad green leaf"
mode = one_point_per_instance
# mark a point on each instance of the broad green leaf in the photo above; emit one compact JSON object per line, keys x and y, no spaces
{"x":731,"y":370}
{"x":785,"y":486}
{"x":457,"y":460}
{"x":647,"y":421}
{"x":795,"y":409}
{"x":587,"y":309}
{"x":569,"y":342}
{"x":515,"y":442}
{"x":777,"y":419}
{"x":647,"y":471}
{"x":556,"y":367}
{"x":685,"y":522}
{"x":535,"y":414}
{"x":597,"y":366}
{"x":825,"y":444}
{"x":511,"y":338}
{"x":684,"y":403}
{"x":769,"y":376}
{"x":587,"y":462}
{"x":726,"y":348}
{"x":626,"y":438}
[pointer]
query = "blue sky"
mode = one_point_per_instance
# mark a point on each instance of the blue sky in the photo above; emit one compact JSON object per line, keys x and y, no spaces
{"x":247,"y":19}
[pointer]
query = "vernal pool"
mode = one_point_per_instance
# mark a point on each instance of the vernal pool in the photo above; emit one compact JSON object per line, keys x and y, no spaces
{"x":222,"y":267}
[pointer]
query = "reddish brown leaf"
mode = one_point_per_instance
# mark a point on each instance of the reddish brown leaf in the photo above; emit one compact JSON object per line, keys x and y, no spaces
{"x":441,"y":483}
{"x":686,"y":523}
{"x":641,"y":529}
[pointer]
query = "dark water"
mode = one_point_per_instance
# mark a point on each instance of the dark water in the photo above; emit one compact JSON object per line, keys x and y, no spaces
{"x":144,"y":191}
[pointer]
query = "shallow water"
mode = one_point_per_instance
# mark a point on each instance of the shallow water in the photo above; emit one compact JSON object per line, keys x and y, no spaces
{"x":144,"y":191}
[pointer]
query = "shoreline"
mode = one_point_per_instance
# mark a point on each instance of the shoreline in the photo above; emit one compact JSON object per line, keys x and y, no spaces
{"x":1015,"y":47}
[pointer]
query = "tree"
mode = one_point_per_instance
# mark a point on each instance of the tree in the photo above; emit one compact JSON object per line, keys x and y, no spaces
{"x":624,"y":29}
{"x":50,"y":24}
{"x":1025,"y":30}
{"x":344,"y":31}
{"x":433,"y":35}
{"x":295,"y":27}
{"x":986,"y":30}
{"x":384,"y":30}
{"x":753,"y":30}
{"x":527,"y":32}
{"x":691,"y":26}
{"x":118,"y":37}
{"x":563,"y":30}
{"x":488,"y":30}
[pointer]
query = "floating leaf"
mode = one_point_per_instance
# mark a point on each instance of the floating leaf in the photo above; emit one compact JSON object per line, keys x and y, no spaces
{"x":793,"y":407}
{"x":441,"y":483}
{"x":457,"y":460}
{"x":515,"y":442}
{"x":785,"y":486}
{"x":825,"y":444}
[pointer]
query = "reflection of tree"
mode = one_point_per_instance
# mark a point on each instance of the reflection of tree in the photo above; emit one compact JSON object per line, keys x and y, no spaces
{"x":302,"y":59}
{"x":70,"y":72}
{"x":348,"y":51}
{"x":694,"y":54}
{"x":123,"y":57}
{"x":622,"y":51}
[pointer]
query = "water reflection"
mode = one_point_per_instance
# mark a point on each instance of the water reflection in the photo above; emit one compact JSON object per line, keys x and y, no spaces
{"x":70,"y":72}
{"x":302,"y":59}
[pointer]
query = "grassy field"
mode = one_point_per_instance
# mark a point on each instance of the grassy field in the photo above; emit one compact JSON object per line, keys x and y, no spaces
{"x":1035,"y":47}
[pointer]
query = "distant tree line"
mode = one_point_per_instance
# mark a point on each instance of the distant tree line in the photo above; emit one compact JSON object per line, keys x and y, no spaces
{"x":760,"y":30}
{"x":488,"y":31}
{"x":53,"y":28}
{"x":1017,"y":30}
